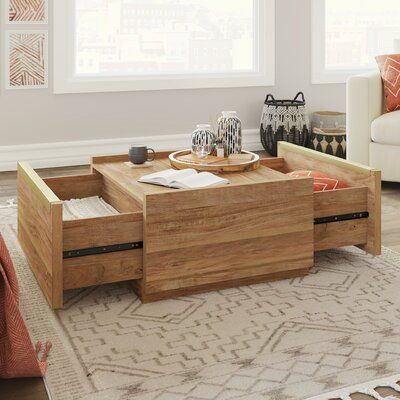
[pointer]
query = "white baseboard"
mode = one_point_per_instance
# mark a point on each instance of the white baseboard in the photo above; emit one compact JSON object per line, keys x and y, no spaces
{"x":47,"y":155}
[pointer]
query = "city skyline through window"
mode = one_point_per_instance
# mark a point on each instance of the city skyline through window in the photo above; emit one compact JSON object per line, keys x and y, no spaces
{"x":165,"y":37}
{"x":358,"y":30}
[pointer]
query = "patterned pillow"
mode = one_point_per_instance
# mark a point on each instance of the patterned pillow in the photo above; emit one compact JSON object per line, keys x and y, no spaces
{"x":322,"y":182}
{"x":390,"y":72}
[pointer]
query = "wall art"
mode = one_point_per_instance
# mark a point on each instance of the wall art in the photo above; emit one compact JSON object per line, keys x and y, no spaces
{"x":26,"y":59}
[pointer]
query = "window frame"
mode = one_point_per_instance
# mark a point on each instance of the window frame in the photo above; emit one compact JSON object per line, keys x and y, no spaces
{"x":64,"y":58}
{"x":320,"y":74}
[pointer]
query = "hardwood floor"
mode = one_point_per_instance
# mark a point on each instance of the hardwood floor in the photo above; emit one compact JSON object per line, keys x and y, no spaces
{"x":33,"y":389}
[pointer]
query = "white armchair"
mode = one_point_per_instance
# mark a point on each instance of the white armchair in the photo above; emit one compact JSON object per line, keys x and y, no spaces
{"x":373,"y":138}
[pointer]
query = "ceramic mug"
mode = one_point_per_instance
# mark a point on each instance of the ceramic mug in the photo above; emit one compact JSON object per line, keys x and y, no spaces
{"x":139,"y":154}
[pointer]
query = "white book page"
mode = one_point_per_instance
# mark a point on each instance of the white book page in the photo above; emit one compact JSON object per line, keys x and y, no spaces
{"x":202,"y":180}
{"x":165,"y":178}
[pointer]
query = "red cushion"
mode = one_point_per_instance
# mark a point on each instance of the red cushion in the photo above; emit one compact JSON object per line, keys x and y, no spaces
{"x":390,"y":72}
{"x":322,"y":182}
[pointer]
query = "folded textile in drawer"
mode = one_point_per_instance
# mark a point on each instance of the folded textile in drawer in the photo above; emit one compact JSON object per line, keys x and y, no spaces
{"x":88,"y":207}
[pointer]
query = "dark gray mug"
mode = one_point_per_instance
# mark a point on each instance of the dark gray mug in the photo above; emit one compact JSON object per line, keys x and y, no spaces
{"x":139,"y":154}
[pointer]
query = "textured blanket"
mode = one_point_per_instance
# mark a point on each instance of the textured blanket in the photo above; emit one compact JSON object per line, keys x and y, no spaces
{"x":18,"y":357}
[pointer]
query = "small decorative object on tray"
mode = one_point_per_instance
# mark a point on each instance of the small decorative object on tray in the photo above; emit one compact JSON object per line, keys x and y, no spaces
{"x":230,"y":132}
{"x":203,"y":136}
{"x":284,"y":120}
{"x":219,"y":148}
{"x":328,"y":133}
{"x":246,"y":161}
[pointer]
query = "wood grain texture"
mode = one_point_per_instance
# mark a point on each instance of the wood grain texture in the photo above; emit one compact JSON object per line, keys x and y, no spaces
{"x":102,"y":231}
{"x":127,"y":178}
{"x":224,"y":234}
{"x":40,"y":232}
{"x":339,"y":202}
{"x":356,"y":175}
{"x":219,"y":285}
{"x":340,"y":234}
{"x":118,"y":197}
{"x":104,"y":159}
{"x":105,"y":268}
{"x":276,"y":163}
{"x":224,"y":166}
{"x":75,"y":187}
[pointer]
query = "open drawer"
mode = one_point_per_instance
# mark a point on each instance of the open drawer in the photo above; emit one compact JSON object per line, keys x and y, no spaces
{"x":78,"y":253}
{"x":343,"y":217}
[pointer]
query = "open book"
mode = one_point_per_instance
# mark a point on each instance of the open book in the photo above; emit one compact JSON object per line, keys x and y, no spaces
{"x":183,"y":179}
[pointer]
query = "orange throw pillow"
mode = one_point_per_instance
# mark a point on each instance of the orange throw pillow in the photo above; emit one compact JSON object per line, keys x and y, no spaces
{"x":322,"y":182}
{"x":390,"y":73}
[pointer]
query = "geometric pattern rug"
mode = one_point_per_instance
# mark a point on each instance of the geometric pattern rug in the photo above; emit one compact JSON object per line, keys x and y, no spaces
{"x":292,"y":339}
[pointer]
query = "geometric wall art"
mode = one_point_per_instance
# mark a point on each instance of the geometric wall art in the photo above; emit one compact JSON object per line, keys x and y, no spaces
{"x":26,"y":59}
{"x":26,"y":11}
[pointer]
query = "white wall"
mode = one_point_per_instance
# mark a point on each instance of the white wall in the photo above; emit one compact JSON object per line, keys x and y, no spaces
{"x":39,"y":116}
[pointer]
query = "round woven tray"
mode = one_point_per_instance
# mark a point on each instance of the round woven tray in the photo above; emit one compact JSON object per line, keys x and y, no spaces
{"x":224,"y":165}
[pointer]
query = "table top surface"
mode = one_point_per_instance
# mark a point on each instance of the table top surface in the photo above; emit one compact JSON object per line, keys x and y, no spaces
{"x":127,"y":177}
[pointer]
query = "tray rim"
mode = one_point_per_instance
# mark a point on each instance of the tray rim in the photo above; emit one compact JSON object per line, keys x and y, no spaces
{"x":219,"y":167}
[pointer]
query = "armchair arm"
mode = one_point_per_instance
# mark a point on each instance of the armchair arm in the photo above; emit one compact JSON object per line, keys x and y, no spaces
{"x":364,"y":105}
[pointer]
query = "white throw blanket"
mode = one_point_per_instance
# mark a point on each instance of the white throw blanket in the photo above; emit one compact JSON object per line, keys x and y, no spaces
{"x":89,"y":207}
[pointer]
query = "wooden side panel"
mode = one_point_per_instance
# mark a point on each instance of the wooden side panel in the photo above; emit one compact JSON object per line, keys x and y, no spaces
{"x":115,"y":195}
{"x":225,"y":234}
{"x":297,"y":157}
{"x":374,"y":240}
{"x":40,"y":232}
{"x":124,"y":157}
{"x":75,"y":187}
{"x":339,"y":202}
{"x":276,"y":163}
{"x":101,"y":269}
{"x":104,"y":231}
{"x":340,"y":234}
{"x":356,"y":175}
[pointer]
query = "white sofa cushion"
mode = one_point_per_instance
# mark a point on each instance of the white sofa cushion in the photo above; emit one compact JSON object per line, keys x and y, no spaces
{"x":386,"y":129}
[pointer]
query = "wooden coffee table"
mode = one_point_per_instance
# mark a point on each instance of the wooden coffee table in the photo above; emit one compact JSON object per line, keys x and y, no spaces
{"x":263,"y":226}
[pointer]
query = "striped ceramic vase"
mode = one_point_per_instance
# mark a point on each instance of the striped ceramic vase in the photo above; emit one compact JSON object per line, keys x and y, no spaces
{"x":230,"y":132}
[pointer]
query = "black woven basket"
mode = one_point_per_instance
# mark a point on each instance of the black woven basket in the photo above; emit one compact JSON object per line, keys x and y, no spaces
{"x":284,"y":120}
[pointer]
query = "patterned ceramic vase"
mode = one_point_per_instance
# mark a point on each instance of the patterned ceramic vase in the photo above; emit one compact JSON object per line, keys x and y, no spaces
{"x":230,"y":132}
{"x":284,"y":120}
{"x":203,"y":135}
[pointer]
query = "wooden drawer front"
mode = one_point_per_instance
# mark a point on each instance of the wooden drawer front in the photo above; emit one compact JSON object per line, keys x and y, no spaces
{"x":340,"y":202}
{"x":104,"y":231}
{"x":103,"y":268}
{"x":340,"y":234}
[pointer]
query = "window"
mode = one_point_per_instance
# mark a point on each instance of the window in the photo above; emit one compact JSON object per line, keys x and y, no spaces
{"x":348,"y":34}
{"x":114,"y":45}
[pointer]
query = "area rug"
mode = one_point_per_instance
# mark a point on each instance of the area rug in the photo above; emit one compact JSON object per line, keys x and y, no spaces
{"x":292,"y":339}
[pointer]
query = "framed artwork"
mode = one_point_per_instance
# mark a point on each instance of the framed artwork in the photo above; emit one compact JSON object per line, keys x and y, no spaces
{"x":26,"y":11}
{"x":26,"y":59}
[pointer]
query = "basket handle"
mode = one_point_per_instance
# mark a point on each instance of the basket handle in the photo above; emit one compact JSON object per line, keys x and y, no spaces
{"x":300,"y":94}
{"x":270,"y":96}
